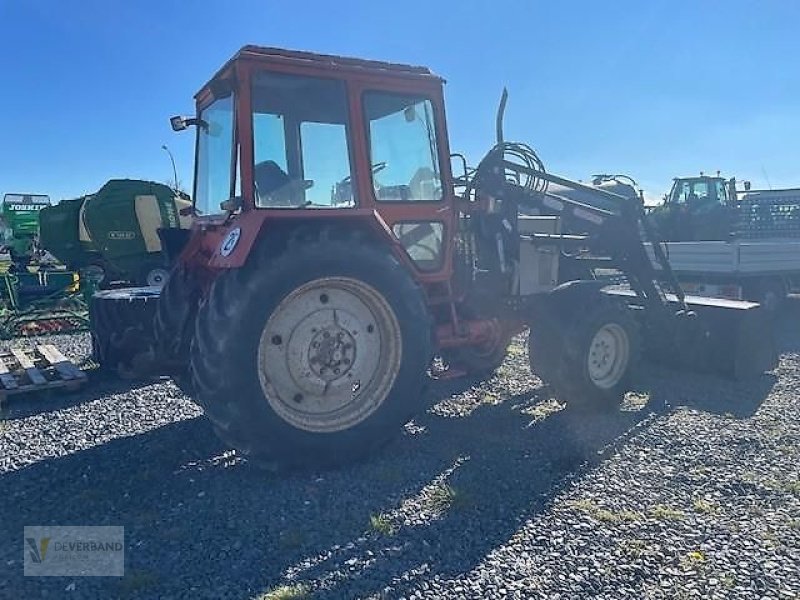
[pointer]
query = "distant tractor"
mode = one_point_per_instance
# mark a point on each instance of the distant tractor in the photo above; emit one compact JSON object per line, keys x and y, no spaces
{"x":115,"y":232}
{"x":20,"y":214}
{"x":731,"y":243}
{"x":333,"y":254}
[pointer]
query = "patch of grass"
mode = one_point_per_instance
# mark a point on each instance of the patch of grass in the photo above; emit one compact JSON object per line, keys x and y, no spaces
{"x":728,"y":581}
{"x":694,"y":560}
{"x":794,"y":524}
{"x":492,"y":399}
{"x":702,"y":505}
{"x":136,"y":581}
{"x":667,"y":513}
{"x":634,"y":548}
{"x":542,"y":410}
{"x":297,"y":591}
{"x":389,"y":473}
{"x":601,"y":514}
{"x":516,"y":350}
{"x":447,"y":496}
{"x":382,"y":524}
{"x":792,"y":487}
{"x":291,"y":539}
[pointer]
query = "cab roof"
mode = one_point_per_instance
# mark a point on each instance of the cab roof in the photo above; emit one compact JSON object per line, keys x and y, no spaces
{"x":339,"y":63}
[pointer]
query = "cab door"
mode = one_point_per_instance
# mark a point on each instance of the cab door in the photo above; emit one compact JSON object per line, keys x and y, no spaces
{"x":405,"y":169}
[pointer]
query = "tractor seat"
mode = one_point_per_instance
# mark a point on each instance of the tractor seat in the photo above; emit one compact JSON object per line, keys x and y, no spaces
{"x":274,"y":187}
{"x":269,"y":177}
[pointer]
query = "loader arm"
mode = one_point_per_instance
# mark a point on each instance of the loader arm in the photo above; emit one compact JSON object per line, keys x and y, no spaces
{"x":618,"y":229}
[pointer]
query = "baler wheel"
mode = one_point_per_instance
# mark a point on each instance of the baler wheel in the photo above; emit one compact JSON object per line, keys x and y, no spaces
{"x":313,"y":356}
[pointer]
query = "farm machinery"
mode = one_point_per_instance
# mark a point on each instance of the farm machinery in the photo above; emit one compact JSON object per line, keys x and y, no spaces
{"x":334,"y":253}
{"x":37,"y":296}
{"x":20,"y":215}
{"x":112,"y":234}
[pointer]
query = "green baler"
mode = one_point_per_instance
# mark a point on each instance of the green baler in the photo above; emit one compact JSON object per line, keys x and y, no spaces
{"x":115,"y":229}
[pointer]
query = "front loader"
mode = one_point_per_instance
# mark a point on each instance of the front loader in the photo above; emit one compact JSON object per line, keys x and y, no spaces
{"x":333,"y":254}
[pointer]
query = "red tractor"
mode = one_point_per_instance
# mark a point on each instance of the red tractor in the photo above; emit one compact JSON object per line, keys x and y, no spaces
{"x":334,"y":254}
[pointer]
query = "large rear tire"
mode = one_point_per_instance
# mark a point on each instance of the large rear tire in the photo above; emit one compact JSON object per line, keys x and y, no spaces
{"x":314,"y":357}
{"x":587,"y":355}
{"x":122,"y":330}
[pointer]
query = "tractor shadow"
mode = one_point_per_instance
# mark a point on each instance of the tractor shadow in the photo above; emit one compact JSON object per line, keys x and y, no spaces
{"x":98,"y":386}
{"x":460,"y":481}
{"x":787,"y":326}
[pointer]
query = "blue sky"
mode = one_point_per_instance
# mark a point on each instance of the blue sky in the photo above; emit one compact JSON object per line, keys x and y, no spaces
{"x":650,"y":88}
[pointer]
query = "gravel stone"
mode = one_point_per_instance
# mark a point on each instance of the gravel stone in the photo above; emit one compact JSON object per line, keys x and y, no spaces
{"x":692,"y":490}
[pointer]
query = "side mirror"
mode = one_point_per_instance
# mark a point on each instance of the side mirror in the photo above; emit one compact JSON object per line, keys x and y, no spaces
{"x":410,"y":114}
{"x":178,"y":123}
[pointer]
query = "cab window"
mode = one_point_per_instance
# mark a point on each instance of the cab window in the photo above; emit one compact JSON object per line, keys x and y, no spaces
{"x":402,"y":147}
{"x":301,"y":154}
{"x":214,"y":155}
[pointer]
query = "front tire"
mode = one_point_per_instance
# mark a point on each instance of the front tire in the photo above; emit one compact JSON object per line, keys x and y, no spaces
{"x":587,"y":355}
{"x":314,"y":357}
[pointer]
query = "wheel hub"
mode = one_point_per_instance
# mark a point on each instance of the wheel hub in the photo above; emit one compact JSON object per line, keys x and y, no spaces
{"x":609,"y":353}
{"x":331,"y":353}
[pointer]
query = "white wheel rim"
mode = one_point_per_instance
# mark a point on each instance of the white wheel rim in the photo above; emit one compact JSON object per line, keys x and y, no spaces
{"x":329,"y":354}
{"x":609,"y":353}
{"x":157,"y":277}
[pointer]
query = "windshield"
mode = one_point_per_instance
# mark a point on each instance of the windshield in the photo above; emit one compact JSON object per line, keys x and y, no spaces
{"x":693,"y":191}
{"x":214,"y":155}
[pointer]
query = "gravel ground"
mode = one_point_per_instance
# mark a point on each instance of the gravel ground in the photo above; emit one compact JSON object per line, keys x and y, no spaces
{"x":692,"y":490}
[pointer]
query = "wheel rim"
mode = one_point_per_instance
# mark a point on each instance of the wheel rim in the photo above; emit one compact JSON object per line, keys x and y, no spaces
{"x":157,"y":277}
{"x":608,"y":357}
{"x":329,"y":354}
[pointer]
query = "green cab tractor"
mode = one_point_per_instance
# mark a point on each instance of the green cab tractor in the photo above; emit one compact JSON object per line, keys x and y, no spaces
{"x":711,"y":208}
{"x":697,"y":208}
{"x":113,"y":233}
{"x":20,"y":215}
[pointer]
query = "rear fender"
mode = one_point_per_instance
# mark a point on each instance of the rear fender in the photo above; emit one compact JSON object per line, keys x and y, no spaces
{"x":228,"y":246}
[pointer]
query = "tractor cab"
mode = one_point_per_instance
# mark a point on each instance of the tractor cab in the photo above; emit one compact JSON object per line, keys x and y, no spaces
{"x":697,"y":193}
{"x":293,"y":135}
